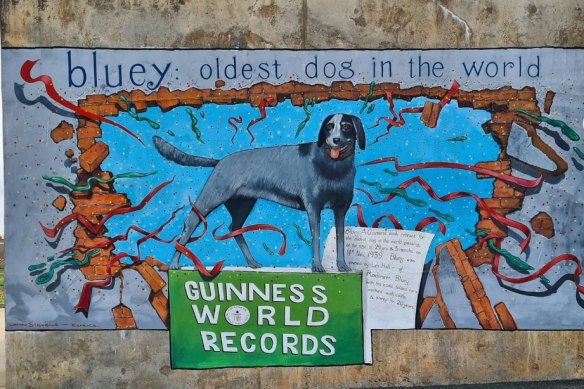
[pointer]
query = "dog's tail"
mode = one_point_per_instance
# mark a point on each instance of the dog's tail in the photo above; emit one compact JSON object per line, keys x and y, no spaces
{"x":171,"y":153}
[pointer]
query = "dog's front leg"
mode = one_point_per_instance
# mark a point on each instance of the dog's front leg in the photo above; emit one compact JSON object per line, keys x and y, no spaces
{"x":340,"y":229}
{"x":314,"y":222}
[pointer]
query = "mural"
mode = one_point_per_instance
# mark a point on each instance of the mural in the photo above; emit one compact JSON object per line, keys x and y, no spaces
{"x":122,"y":166}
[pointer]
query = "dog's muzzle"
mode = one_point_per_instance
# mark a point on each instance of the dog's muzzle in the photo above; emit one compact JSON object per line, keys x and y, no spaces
{"x":339,"y":153}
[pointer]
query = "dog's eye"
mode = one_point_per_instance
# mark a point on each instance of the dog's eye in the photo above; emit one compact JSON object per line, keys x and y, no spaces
{"x":345,"y":127}
{"x":330,"y":126}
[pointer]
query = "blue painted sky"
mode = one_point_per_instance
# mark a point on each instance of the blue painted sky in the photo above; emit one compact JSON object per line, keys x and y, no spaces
{"x":411,"y":143}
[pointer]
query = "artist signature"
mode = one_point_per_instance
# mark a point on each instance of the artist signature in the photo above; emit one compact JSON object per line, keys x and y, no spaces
{"x":52,"y":325}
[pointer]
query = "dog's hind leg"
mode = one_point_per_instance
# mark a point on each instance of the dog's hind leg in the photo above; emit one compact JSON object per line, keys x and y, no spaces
{"x":207,"y":201}
{"x":240,"y":210}
{"x":191,"y":223}
{"x":340,"y":230}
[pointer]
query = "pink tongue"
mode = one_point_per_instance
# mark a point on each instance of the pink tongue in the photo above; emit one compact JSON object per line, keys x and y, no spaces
{"x":335,"y":151}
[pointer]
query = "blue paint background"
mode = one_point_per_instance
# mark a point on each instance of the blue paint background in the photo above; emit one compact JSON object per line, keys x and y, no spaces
{"x":411,"y":143}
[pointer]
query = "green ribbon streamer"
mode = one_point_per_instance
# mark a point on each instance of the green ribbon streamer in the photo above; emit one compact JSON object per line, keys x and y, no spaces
{"x":308,"y":114}
{"x":441,"y":215}
{"x":37,"y":266}
{"x":48,"y":275}
{"x":579,"y":152}
{"x":566,"y":130}
{"x":512,"y":260}
{"x":388,"y":171}
{"x":369,"y":94}
{"x":299,"y":234}
{"x":461,"y":138}
{"x":87,"y":186}
{"x":268,"y":250}
{"x":371,"y":108}
{"x":395,"y":191}
{"x":135,"y":116}
{"x":194,"y":127}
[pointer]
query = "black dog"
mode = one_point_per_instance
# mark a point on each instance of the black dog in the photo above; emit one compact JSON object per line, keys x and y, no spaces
{"x":308,"y":177}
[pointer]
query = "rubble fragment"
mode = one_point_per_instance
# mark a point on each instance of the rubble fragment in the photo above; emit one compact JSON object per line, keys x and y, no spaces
{"x":549,"y":99}
{"x":543,"y":224}
{"x":62,"y":132}
{"x":60,"y":203}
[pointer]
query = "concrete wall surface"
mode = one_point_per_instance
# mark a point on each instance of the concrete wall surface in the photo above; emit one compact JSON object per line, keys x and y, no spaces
{"x":120,"y":359}
{"x":298,"y":24}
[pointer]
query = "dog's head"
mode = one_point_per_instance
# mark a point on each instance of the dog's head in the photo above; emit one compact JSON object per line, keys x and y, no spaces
{"x":339,"y":133}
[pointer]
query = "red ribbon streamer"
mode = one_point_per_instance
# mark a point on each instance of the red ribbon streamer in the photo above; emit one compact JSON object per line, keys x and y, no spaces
{"x":396,"y":224}
{"x":394,"y":120}
{"x":197,"y":262}
{"x":369,"y":196}
{"x":118,"y":238}
{"x":53,"y":94}
{"x":95,"y":229}
{"x":85,"y":298}
{"x":360,"y":218}
{"x":398,"y":123}
{"x":451,"y":92}
{"x":540,"y":272}
{"x":231,"y":121}
{"x":452,"y":165}
{"x":429,"y":220}
{"x":262,"y":108}
{"x":456,"y":195}
{"x":203,"y":220}
{"x":253,"y":227}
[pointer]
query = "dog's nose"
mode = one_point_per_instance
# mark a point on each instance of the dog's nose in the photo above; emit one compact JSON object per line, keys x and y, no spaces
{"x":336,"y":140}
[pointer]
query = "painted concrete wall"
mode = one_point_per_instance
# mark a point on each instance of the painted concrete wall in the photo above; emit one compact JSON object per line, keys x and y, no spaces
{"x":140,"y":358}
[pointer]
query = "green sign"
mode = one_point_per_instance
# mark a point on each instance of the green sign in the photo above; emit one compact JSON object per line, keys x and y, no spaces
{"x":245,"y":318}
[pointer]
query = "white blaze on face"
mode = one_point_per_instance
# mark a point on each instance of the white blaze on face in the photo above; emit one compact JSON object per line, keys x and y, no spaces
{"x":334,"y":133}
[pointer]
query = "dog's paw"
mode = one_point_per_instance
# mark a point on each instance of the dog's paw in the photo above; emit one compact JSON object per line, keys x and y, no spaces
{"x":253,"y":264}
{"x":317,"y":268}
{"x":343,"y":267}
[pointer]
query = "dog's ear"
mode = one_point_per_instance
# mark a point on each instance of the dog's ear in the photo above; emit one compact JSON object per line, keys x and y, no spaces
{"x":359,"y":130}
{"x":322,"y":133}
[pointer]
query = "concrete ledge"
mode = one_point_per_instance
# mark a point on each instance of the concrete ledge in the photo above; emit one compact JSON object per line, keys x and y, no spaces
{"x":401,"y":358}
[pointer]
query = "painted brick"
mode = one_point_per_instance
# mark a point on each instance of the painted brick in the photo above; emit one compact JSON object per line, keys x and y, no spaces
{"x":84,"y":144}
{"x":151,"y":277}
{"x":100,"y":203}
{"x":527,"y":93}
{"x":107,"y":110}
{"x":160,"y":304}
{"x":430,"y":114}
{"x":90,"y":131}
{"x":511,"y":203}
{"x":93,"y":157}
{"x":529,"y":106}
{"x":95,"y":99}
{"x":505,"y":318}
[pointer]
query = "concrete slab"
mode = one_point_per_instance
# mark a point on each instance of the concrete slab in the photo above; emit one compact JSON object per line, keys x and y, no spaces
{"x":2,"y":351}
